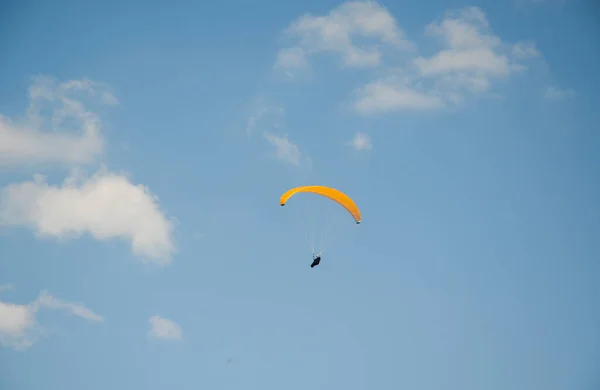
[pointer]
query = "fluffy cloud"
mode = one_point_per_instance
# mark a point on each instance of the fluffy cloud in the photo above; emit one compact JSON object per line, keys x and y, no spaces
{"x":72,"y":135}
{"x":164,"y":328}
{"x":356,"y":31}
{"x":554,"y":93}
{"x":472,"y":55}
{"x":105,"y":205}
{"x":285,"y":150}
{"x":361,"y":141}
{"x":19,"y":328}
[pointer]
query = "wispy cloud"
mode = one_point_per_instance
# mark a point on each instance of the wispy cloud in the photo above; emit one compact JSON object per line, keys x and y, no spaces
{"x":361,"y":141}
{"x":19,"y":328}
{"x":285,"y":150}
{"x":106,"y":205}
{"x":554,"y":93}
{"x":49,"y":302}
{"x":6,"y":287}
{"x":70,"y":135}
{"x":164,"y":328}
{"x":264,"y":116}
{"x":270,"y":119}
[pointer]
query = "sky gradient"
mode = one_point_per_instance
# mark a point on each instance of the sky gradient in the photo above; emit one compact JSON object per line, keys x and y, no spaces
{"x":143,"y":150}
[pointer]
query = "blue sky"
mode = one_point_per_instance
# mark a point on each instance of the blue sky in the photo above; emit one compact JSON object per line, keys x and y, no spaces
{"x":144,"y":148}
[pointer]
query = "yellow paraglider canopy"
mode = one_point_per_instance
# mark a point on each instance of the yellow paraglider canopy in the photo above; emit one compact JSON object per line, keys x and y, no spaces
{"x":328,"y":192}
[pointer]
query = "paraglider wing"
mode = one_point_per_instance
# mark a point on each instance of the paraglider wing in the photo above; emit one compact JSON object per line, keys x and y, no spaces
{"x":328,"y":192}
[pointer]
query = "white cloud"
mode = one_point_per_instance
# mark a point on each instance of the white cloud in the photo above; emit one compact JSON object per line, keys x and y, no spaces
{"x":18,"y":325}
{"x":472,"y":51}
{"x":554,"y":93}
{"x":385,"y":96}
{"x":105,"y":205}
{"x":164,"y":328}
{"x":482,"y":60}
{"x":472,"y":57}
{"x":285,"y":150}
{"x":361,"y":141}
{"x":346,"y":31}
{"x":18,"y":328}
{"x":70,"y":135}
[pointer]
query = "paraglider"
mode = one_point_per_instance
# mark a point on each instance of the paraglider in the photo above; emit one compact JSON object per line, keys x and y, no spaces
{"x":316,"y":261}
{"x":331,"y":193}
{"x":328,"y":192}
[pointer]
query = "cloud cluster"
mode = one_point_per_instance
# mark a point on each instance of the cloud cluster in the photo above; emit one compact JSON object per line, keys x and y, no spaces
{"x":470,"y":58}
{"x":164,"y":328}
{"x":59,"y":127}
{"x":19,"y":328}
